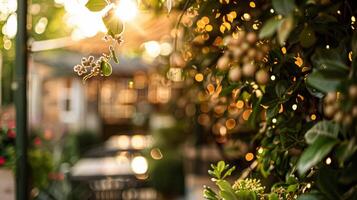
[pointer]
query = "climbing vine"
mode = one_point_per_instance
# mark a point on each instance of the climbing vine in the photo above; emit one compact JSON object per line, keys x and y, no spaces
{"x":283,"y":71}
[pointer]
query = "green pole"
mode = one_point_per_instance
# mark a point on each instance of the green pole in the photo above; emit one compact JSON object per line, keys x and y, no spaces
{"x":21,"y":63}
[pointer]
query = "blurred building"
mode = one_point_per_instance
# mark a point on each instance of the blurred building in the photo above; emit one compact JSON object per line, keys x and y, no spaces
{"x":61,"y":100}
{"x":121,"y":102}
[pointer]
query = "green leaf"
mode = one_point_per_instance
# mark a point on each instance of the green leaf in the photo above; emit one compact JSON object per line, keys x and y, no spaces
{"x":229,"y":172}
{"x":292,"y":188}
{"x":345,"y":150}
{"x":354,"y":45}
{"x":280,"y":88}
{"x":96,"y":5}
{"x":106,"y":68}
{"x":209,"y":194}
{"x":354,"y":66}
{"x":307,"y":37}
{"x":273,"y":196}
{"x":349,"y":175}
{"x":314,"y":92}
{"x":272,"y":111}
{"x":114,"y":25}
{"x":329,"y":60}
{"x":283,"y":7}
{"x":311,"y":196}
{"x":318,"y":81}
{"x":269,"y":27}
{"x":327,"y":181}
{"x":113,"y":55}
{"x":246,"y":195}
{"x":284,"y":29}
{"x":220,"y":166}
{"x":315,"y":153}
{"x":227,"y":90}
{"x":322,"y":128}
{"x":228,"y":195}
{"x":210,"y":172}
{"x":227,"y":191}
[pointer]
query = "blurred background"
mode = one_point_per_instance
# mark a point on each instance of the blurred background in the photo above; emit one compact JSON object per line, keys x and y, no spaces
{"x":132,"y":135}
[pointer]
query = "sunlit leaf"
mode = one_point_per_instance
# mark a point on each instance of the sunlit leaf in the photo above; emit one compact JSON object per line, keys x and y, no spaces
{"x":113,"y":24}
{"x":169,"y":5}
{"x":96,"y":5}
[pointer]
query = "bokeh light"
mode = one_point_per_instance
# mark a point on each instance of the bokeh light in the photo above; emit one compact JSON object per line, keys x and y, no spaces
{"x":127,"y":10}
{"x":152,"y":49}
{"x":139,"y":165}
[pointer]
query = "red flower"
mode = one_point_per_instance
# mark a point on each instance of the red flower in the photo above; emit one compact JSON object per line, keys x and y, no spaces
{"x":11,"y":133}
{"x":2,"y":160}
{"x":56,"y":176}
{"x":11,"y":124}
{"x":37,"y":141}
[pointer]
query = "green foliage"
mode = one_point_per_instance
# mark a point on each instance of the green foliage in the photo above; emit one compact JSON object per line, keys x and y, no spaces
{"x":115,"y":28}
{"x":329,"y":70}
{"x":301,"y":111}
{"x":319,"y":82}
{"x":166,"y":174}
{"x":246,"y":189}
{"x":41,"y":163}
{"x":218,"y":170}
{"x":297,"y":129}
{"x":315,"y":153}
{"x":55,"y":28}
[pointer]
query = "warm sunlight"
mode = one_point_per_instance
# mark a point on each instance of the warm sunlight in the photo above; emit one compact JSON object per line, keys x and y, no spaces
{"x":127,"y":10}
